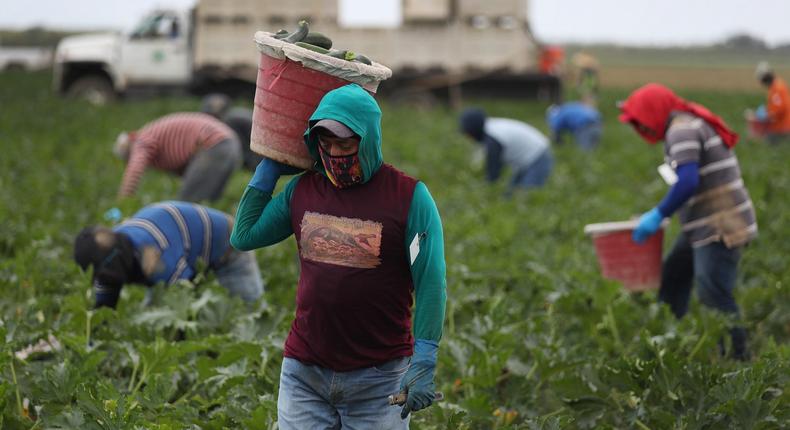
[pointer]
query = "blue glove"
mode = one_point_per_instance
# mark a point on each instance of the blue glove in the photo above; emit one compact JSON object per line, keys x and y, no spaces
{"x":417,"y":383}
{"x":649,"y":223}
{"x":268,"y":172}
{"x":113,"y":214}
{"x":761,"y":113}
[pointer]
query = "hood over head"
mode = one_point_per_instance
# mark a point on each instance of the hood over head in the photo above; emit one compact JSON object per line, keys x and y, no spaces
{"x":472,"y":122}
{"x":356,"y":109}
{"x":651,"y":107}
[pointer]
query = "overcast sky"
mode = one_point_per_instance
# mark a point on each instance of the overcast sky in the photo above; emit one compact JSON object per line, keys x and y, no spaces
{"x":621,"y":21}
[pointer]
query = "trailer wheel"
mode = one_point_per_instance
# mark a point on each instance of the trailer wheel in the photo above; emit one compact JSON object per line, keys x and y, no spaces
{"x":96,"y":90}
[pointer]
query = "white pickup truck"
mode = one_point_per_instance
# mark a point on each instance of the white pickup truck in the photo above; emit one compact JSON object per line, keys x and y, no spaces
{"x":24,"y":58}
{"x":439,"y":44}
{"x":99,"y":67}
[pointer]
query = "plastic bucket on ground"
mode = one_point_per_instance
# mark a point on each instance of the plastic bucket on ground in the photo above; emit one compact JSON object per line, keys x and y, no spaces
{"x":291,"y":82}
{"x":637,"y":266}
{"x":757,"y":129}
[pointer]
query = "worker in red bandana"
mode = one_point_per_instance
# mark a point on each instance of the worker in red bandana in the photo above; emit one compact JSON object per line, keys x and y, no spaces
{"x":369,"y":239}
{"x":714,"y":208}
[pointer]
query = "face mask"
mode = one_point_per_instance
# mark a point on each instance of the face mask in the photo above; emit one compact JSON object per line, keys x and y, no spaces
{"x":344,"y":170}
{"x":647,"y":133}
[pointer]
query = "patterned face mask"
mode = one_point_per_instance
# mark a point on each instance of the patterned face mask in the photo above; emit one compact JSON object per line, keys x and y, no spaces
{"x":343,"y":170}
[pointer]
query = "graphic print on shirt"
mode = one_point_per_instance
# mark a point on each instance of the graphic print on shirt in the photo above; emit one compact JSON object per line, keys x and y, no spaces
{"x":342,"y":241}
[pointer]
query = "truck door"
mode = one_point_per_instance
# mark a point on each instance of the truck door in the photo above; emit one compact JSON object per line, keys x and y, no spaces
{"x":157,"y":52}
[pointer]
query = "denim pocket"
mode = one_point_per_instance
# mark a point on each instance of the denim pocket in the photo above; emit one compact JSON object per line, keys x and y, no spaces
{"x":393,"y":367}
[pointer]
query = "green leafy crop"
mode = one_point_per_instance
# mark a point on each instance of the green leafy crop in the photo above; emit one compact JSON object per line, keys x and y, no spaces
{"x":534,"y":337}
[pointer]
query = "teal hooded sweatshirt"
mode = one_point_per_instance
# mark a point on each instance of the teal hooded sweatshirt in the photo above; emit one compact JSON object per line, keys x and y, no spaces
{"x":263,"y":221}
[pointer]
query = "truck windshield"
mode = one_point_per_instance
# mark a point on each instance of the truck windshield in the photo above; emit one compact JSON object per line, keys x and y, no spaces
{"x":156,"y":26}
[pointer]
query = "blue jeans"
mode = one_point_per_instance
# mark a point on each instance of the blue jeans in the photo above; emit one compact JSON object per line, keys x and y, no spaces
{"x":534,"y":175}
{"x":715,"y":269}
{"x":588,"y":136}
{"x":240,"y":276}
{"x":312,"y":397}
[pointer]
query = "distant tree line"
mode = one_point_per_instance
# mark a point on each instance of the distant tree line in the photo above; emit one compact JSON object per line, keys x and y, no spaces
{"x":34,"y":36}
{"x":747,"y":42}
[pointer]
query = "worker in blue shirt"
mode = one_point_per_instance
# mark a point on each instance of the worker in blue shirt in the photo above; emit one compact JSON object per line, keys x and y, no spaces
{"x":163,"y":243}
{"x":578,"y":119}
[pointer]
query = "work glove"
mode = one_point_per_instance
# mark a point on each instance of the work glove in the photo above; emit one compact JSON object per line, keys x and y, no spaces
{"x":761,"y":114}
{"x":649,"y":223}
{"x":268,"y":172}
{"x":418,"y":383}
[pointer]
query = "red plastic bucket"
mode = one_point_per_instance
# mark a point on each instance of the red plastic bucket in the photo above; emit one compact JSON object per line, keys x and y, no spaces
{"x":286,"y":94}
{"x":636,"y":265}
{"x":757,"y":129}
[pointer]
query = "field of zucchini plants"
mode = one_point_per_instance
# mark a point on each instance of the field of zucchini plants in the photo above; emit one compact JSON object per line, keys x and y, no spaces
{"x":534,"y":338}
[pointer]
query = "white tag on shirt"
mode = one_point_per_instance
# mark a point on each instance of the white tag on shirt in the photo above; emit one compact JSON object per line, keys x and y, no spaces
{"x":414,"y":248}
{"x":668,"y":174}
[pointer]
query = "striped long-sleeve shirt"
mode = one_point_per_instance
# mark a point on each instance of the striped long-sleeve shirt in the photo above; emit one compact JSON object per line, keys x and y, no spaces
{"x":720,"y":209}
{"x":169,"y":142}
{"x":184,"y":237}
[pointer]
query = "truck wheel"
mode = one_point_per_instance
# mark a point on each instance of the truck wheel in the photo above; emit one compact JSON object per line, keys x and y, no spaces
{"x":96,"y":90}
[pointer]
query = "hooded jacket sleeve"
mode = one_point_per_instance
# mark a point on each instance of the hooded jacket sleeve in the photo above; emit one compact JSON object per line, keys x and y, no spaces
{"x":425,"y":243}
{"x":262,"y":220}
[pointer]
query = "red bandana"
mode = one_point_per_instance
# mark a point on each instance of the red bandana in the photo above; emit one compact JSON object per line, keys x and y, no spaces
{"x":649,"y":107}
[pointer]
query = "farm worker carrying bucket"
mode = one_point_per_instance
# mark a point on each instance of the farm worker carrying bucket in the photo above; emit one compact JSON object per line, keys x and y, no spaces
{"x":716,"y":214}
{"x":370,"y":245}
{"x":291,"y":81}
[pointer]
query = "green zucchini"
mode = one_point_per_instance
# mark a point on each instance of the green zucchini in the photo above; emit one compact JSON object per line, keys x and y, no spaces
{"x":299,"y":34}
{"x":312,"y":47}
{"x":363,"y":59}
{"x":318,"y":39}
{"x":338,"y":53}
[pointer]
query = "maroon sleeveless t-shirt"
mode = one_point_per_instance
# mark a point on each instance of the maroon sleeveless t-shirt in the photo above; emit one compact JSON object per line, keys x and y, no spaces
{"x":353,"y":303}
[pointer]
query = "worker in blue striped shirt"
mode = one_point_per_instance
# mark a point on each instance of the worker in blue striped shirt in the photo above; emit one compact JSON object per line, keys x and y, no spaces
{"x":163,"y":243}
